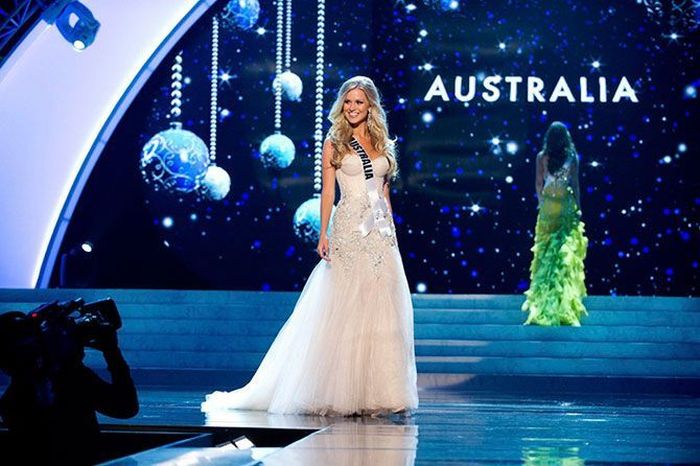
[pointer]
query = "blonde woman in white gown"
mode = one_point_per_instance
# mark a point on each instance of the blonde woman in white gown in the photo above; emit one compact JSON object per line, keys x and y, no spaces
{"x":347,"y":348}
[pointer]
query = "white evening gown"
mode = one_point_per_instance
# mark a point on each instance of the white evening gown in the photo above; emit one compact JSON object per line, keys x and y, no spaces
{"x":347,"y":347}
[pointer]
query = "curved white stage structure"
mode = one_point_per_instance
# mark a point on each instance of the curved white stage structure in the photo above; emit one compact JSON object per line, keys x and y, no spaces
{"x":58,"y":108}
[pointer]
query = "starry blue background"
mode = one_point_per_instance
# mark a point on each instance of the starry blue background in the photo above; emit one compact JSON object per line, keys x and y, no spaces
{"x":464,"y":200}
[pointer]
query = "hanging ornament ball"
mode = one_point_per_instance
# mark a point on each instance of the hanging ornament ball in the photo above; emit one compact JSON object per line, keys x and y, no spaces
{"x":307,"y":220}
{"x":443,"y":5}
{"x":277,"y":151}
{"x":216,"y":183}
{"x":175,"y":160}
{"x":241,"y":14}
{"x":291,"y":85}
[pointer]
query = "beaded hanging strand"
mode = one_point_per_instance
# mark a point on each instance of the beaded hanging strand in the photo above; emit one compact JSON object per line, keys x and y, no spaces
{"x":214,"y":90}
{"x":288,"y":36}
{"x":217,"y":181}
{"x":279,"y":50}
{"x":176,"y":89}
{"x":318,"y":122}
{"x":277,"y":150}
{"x":307,"y":218}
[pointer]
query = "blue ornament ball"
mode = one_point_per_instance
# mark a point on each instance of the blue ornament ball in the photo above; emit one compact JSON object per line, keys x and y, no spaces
{"x":175,"y":160}
{"x":307,"y":220}
{"x":277,"y":151}
{"x":241,"y":14}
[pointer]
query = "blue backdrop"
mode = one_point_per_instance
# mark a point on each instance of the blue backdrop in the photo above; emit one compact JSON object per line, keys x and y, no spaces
{"x":464,"y":200}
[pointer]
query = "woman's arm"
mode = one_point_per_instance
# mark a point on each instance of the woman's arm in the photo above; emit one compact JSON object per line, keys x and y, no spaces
{"x":327,"y":198}
{"x":539,"y":176}
{"x":387,"y":190}
{"x":574,"y":182}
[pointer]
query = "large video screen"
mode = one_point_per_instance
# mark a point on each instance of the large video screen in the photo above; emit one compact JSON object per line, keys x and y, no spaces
{"x":469,"y":87}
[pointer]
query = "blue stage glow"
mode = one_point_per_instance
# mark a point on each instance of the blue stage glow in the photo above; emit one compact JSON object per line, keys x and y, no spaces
{"x":466,"y":166}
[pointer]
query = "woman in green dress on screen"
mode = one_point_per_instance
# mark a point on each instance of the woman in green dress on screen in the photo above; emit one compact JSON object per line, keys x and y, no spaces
{"x":557,"y":276}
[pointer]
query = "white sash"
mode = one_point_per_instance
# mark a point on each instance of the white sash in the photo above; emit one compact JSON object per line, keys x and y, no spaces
{"x":377,"y":217}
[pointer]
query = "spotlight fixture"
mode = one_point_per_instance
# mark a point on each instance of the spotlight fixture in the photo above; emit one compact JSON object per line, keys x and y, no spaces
{"x":75,"y":22}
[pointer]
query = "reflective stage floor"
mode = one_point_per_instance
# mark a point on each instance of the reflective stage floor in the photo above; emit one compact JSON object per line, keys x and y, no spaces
{"x":450,"y":427}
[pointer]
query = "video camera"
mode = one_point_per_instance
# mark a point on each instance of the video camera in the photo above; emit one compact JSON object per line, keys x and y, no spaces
{"x":88,"y":321}
{"x":53,"y":336}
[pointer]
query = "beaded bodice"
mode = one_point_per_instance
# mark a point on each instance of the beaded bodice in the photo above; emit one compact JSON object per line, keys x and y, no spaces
{"x":347,"y":243}
{"x":557,"y":184}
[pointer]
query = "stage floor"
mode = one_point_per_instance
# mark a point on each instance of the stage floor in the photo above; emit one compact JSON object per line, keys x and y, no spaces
{"x":450,"y":427}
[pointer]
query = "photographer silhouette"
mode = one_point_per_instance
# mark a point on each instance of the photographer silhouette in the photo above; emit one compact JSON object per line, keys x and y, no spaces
{"x":50,"y":407}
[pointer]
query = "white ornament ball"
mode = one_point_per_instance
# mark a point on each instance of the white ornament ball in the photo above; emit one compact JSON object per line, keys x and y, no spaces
{"x":291,"y":85}
{"x":216,"y":183}
{"x":307,"y":220}
{"x":277,"y":151}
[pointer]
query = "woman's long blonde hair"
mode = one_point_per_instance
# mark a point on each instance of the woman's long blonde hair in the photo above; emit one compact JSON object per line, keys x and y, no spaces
{"x":340,"y":133}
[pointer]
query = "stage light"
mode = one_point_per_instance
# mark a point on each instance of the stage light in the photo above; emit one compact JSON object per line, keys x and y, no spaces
{"x":77,"y":266}
{"x":74,"y":21}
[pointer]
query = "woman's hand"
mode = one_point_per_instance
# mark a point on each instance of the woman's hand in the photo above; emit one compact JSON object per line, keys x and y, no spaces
{"x":322,"y":249}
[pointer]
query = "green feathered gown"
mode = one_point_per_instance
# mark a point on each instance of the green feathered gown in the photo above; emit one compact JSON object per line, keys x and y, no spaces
{"x":557,"y":276}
